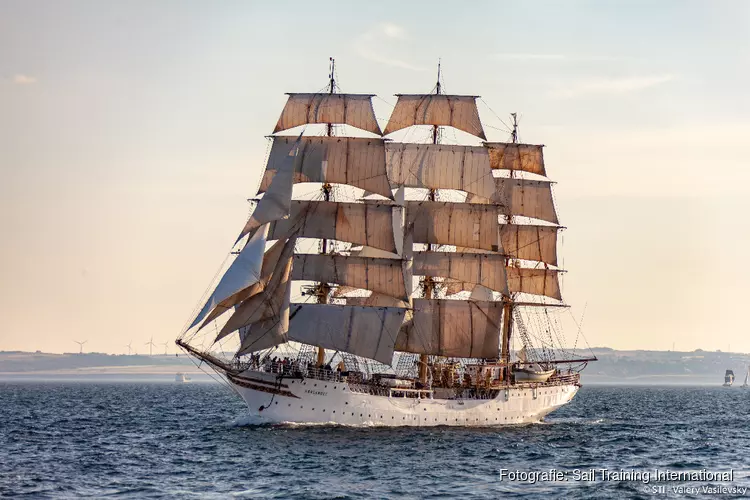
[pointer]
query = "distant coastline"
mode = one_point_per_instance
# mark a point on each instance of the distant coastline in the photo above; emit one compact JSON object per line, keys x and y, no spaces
{"x":614,"y":367}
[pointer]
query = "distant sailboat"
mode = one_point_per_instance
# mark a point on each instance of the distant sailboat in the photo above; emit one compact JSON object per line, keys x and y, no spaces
{"x":728,"y":378}
{"x":747,"y":376}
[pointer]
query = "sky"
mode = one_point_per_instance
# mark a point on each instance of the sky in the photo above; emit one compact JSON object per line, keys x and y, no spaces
{"x":132,"y":133}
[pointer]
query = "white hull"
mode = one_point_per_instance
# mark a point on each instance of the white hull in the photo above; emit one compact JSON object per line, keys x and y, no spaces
{"x":322,"y":402}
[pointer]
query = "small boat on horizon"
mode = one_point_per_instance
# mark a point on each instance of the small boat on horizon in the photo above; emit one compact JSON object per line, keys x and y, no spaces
{"x":729,"y":378}
{"x":747,"y":376}
{"x":181,"y":378}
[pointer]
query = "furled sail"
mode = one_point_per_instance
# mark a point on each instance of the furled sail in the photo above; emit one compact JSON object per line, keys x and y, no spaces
{"x":276,"y":203}
{"x":459,"y":111}
{"x":269,"y":303}
{"x":385,"y":276}
{"x":486,"y":269}
{"x":364,"y":331}
{"x":354,"y":161}
{"x":535,"y":281}
{"x":368,"y":224}
{"x":349,"y":109}
{"x":454,"y":328}
{"x":528,"y":198}
{"x":530,"y":242}
{"x":244,"y":272}
{"x":440,"y":166}
{"x":460,"y":224}
{"x":510,"y":156}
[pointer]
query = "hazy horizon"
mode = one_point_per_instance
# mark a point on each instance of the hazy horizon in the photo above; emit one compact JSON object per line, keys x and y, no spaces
{"x":131,"y":135}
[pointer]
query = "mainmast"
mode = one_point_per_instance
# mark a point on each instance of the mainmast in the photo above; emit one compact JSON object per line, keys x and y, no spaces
{"x":323,"y":289}
{"x":428,"y":283}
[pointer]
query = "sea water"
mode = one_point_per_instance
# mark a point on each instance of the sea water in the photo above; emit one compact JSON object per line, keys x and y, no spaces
{"x":146,"y":440}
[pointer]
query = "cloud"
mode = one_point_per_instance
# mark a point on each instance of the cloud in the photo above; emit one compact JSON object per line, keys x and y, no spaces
{"x":611,"y":85}
{"x":20,"y":79}
{"x":379,"y":43}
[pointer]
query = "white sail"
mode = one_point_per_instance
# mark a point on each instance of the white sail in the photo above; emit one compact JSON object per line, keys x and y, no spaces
{"x":454,"y":328}
{"x":270,"y":260}
{"x":276,"y":203}
{"x":366,"y":251}
{"x":457,"y":111}
{"x":440,"y":166}
{"x":535,"y":281}
{"x":364,"y":331}
{"x":376,"y":300}
{"x":267,"y":304}
{"x":385,"y":276}
{"x":530,"y":242}
{"x":354,"y":161}
{"x":244,"y":272}
{"x":368,"y":224}
{"x":527,"y":198}
{"x":486,"y":269}
{"x":460,"y":224}
{"x":482,"y":294}
{"x":270,"y":331}
{"x":523,"y":157}
{"x":349,"y":109}
{"x":262,"y":335}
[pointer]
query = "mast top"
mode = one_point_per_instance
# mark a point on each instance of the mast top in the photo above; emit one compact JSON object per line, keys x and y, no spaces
{"x":514,"y":133}
{"x":437,"y":86}
{"x":331,"y":76}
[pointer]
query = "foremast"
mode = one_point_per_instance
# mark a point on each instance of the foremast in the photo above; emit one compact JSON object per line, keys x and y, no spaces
{"x":323,"y":289}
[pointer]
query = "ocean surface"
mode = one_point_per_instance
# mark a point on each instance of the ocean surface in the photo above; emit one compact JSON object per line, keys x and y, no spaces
{"x":159,"y":440}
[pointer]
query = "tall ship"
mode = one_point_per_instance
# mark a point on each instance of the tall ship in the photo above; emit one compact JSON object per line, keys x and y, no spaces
{"x":394,"y":277}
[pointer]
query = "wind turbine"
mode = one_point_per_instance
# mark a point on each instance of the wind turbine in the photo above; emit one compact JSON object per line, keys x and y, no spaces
{"x":151,"y":349}
{"x":129,"y":347}
{"x":165,"y":344}
{"x":80,"y":344}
